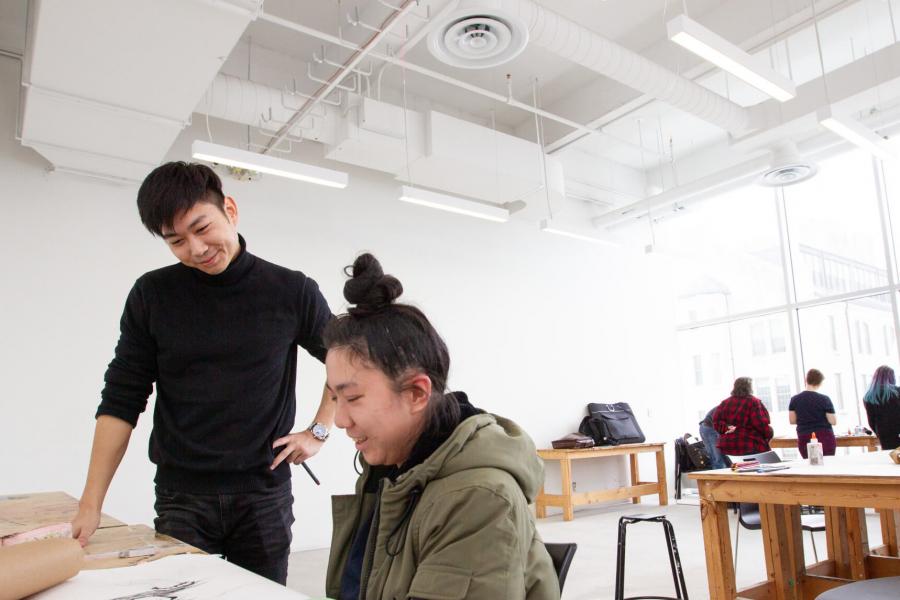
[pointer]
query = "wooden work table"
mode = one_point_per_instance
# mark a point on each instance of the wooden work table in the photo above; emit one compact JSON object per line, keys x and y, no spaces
{"x":109,"y":545}
{"x":869,"y":442}
{"x":567,"y":500}
{"x":845,"y":486}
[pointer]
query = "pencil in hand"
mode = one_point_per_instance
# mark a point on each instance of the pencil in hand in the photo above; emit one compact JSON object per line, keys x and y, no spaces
{"x":308,"y":470}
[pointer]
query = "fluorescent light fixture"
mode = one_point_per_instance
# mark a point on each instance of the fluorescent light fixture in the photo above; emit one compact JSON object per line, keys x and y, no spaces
{"x":856,"y":133}
{"x":550,"y":227}
{"x":263,"y":163}
{"x":710,"y":46}
{"x":454,"y":204}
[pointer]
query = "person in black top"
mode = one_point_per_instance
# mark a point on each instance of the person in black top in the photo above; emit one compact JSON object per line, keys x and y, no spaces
{"x":813,"y":412}
{"x":217,"y":334}
{"x":882,"y":402}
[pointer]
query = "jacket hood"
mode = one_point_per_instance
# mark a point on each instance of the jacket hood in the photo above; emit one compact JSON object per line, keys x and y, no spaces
{"x":480,"y":441}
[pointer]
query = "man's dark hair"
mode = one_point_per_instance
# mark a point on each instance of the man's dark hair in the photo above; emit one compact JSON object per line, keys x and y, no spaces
{"x":174,"y":188}
{"x":814,"y":377}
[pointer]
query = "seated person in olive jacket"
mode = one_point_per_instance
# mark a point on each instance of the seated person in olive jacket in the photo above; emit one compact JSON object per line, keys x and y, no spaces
{"x":441,"y":506}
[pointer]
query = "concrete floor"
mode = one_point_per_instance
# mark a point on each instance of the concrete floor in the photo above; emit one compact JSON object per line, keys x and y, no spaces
{"x":593,"y":572}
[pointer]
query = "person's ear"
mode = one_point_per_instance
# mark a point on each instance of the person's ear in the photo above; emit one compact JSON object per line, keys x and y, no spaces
{"x":418,"y":390}
{"x":231,"y":210}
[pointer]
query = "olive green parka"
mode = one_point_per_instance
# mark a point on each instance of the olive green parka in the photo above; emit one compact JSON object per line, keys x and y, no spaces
{"x":454,"y":526}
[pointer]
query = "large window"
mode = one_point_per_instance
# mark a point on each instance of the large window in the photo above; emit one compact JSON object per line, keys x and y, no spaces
{"x":854,"y":353}
{"x":732,"y":267}
{"x":835,"y":229}
{"x":834,"y":246}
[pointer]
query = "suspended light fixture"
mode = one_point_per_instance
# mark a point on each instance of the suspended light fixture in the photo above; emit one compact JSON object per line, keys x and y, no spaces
{"x":708,"y":45}
{"x":454,"y":204}
{"x":856,"y":133}
{"x":263,"y":163}
{"x":549,"y":226}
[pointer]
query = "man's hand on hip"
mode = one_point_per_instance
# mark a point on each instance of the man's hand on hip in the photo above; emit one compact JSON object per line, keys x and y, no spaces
{"x":296,"y":448}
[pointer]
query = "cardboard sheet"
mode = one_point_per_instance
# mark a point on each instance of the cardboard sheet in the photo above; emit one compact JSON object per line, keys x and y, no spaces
{"x":130,"y":545}
{"x":20,"y":513}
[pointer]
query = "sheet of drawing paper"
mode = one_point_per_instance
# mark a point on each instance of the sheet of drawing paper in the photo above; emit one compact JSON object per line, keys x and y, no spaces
{"x":34,"y":566}
{"x":182,"y":577}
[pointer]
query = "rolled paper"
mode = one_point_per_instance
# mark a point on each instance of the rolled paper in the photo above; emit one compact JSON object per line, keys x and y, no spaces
{"x":35,"y":566}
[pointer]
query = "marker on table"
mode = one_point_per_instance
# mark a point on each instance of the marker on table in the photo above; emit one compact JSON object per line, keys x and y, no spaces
{"x":308,"y":470}
{"x":130,"y":553}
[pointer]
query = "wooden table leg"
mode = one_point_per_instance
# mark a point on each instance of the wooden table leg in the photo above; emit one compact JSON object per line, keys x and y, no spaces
{"x":717,"y":543}
{"x":635,"y":476}
{"x":783,"y":544}
{"x":848,"y":541}
{"x":540,"y":508}
{"x":565,"y":469}
{"x":890,"y":526}
{"x":661,"y":478}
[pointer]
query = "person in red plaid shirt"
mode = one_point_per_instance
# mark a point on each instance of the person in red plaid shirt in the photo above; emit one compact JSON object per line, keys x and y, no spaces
{"x":743,"y":421}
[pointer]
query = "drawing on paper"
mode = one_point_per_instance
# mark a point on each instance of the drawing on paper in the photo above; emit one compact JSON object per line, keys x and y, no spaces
{"x":163,"y":593}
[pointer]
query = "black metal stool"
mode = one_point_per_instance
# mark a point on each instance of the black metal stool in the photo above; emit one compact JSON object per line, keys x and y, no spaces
{"x":674,"y":559}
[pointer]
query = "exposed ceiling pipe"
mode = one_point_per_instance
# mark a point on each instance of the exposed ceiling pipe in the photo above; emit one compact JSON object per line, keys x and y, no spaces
{"x":339,"y":75}
{"x":574,"y":42}
{"x":412,"y":41}
{"x":741,"y":173}
{"x":780,"y":31}
{"x":247,"y":102}
{"x":509,"y":101}
{"x":819,"y":147}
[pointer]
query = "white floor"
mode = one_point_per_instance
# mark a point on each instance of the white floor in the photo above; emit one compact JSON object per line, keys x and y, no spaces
{"x":593,"y":571}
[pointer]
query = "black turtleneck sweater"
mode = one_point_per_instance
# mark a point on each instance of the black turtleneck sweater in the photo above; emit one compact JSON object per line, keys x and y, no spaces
{"x":222,"y":350}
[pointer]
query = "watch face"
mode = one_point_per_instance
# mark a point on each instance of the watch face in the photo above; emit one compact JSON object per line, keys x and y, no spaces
{"x":319,"y":431}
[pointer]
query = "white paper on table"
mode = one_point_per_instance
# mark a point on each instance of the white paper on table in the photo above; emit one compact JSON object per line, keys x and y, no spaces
{"x":181,"y":577}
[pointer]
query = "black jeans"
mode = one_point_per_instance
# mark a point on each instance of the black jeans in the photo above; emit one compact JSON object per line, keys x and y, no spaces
{"x":250,"y":529}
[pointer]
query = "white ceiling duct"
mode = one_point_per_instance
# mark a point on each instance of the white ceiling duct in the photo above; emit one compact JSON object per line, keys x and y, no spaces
{"x":787,"y":167}
{"x":103,"y":96}
{"x":569,"y":40}
{"x":371,"y":134}
{"x":475,"y":36}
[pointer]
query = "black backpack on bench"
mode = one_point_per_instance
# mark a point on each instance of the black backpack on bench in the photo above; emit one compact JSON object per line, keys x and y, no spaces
{"x":611,"y":424}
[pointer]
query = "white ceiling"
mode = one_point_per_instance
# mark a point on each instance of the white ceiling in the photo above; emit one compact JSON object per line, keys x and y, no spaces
{"x":638,"y":134}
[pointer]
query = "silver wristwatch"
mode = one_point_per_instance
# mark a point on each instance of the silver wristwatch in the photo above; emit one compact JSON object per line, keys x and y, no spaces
{"x":319,"y":431}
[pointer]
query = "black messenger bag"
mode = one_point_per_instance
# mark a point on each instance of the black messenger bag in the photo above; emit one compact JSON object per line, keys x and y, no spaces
{"x":611,"y":424}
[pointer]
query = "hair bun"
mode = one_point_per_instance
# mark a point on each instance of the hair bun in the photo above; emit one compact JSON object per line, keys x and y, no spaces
{"x":368,"y":287}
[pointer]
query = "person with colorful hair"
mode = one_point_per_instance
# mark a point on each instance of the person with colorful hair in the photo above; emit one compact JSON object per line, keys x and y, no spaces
{"x":882,"y":402}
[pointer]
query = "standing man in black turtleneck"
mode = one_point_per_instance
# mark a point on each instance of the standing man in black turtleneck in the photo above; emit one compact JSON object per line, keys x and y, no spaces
{"x":218,"y":334}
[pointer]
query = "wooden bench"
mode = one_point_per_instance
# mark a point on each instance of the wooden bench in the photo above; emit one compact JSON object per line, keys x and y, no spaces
{"x":567,"y":500}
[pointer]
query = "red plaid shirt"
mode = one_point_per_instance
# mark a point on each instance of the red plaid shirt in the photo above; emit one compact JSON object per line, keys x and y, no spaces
{"x":751,"y":420}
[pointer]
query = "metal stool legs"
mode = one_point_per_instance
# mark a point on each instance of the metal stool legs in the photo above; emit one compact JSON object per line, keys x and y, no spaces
{"x":671,"y":547}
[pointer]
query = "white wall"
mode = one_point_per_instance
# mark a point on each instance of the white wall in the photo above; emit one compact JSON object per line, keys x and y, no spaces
{"x":537,"y":325}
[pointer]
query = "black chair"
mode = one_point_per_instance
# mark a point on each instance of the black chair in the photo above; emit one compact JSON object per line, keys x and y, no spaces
{"x":561,"y":555}
{"x":749,"y":517}
{"x":674,"y":559}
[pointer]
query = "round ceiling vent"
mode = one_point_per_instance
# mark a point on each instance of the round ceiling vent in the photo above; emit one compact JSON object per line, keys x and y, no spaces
{"x":477,"y":38}
{"x":788,"y":167}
